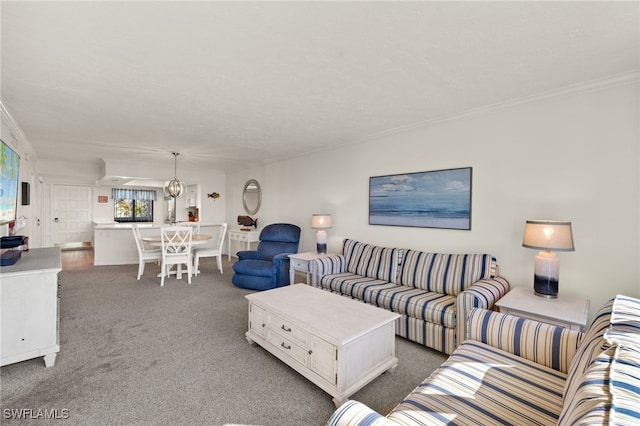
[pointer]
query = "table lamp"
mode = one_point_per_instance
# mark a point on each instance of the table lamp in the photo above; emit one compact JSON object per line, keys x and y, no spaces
{"x":321,"y":222}
{"x":547,"y":235}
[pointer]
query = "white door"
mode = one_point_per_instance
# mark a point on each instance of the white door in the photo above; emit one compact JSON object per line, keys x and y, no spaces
{"x":71,"y":214}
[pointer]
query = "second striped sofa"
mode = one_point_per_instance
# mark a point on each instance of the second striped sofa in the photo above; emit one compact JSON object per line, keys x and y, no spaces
{"x":432,"y":292}
{"x":514,"y":371}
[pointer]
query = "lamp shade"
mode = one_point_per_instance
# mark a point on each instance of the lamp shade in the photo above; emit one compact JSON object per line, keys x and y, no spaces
{"x":548,"y":235}
{"x":321,"y":221}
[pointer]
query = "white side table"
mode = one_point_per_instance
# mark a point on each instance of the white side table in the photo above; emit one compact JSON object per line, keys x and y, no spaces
{"x":300,"y":262}
{"x":568,"y":312}
{"x":247,"y":237}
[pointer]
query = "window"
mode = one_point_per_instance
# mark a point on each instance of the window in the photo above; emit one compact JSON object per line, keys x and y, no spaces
{"x":133,"y":205}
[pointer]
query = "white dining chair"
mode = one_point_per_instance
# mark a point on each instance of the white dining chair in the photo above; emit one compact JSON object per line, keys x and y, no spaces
{"x":211,"y":252}
{"x":145,"y":253}
{"x":176,"y":250}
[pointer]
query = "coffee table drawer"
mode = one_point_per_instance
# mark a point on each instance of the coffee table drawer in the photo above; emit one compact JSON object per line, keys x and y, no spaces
{"x":288,"y":347}
{"x":287,"y":330}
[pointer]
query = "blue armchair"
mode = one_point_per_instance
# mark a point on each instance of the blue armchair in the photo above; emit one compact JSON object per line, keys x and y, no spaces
{"x":268,"y":266}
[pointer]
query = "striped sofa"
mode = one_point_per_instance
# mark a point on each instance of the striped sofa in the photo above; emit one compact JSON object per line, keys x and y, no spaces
{"x":522,"y":372}
{"x":432,"y":292}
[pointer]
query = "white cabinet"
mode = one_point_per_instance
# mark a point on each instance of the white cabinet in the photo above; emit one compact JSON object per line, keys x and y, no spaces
{"x":29,"y":298}
{"x":294,"y":343}
{"x":246,"y":237}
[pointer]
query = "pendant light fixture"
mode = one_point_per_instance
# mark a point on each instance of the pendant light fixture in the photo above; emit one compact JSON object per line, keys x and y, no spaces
{"x":174,"y":188}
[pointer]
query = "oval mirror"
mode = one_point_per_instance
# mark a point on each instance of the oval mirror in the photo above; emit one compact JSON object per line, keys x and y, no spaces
{"x":251,"y":196}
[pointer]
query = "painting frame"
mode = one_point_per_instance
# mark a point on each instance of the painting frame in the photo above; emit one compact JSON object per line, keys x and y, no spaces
{"x":430,"y":199}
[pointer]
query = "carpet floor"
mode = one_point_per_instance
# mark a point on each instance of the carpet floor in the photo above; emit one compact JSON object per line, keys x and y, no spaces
{"x":135,"y":353}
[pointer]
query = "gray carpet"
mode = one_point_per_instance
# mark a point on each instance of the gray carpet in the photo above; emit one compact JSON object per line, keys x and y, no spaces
{"x":135,"y":353}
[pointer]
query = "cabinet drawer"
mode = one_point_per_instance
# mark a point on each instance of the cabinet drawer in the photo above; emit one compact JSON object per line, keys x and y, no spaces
{"x":299,"y":265}
{"x":238,"y":236}
{"x":287,"y":330}
{"x":288,"y":347}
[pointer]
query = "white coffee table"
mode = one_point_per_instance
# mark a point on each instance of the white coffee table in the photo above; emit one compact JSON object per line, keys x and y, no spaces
{"x":337,"y":343}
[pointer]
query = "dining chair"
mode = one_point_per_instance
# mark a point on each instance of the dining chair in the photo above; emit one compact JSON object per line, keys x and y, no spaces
{"x":211,"y":252}
{"x":176,"y":250}
{"x":145,"y":253}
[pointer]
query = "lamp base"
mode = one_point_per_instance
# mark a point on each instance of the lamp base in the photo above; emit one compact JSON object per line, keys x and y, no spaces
{"x":546,"y":273}
{"x":545,"y":287}
{"x":322,"y":248}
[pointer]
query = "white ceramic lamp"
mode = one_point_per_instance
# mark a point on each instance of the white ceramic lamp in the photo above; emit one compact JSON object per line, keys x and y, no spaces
{"x":547,"y":235}
{"x":321,"y":222}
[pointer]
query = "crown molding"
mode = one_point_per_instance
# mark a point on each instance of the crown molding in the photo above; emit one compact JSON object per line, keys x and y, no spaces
{"x":16,"y":131}
{"x":585,"y":87}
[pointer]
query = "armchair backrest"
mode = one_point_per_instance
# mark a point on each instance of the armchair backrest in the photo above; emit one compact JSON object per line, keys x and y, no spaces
{"x":278,"y":238}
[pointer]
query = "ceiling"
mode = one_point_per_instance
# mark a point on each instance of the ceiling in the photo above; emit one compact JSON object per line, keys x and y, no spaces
{"x":233,"y":84}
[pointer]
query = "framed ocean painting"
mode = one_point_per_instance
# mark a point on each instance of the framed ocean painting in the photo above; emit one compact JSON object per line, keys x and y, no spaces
{"x":435,"y":199}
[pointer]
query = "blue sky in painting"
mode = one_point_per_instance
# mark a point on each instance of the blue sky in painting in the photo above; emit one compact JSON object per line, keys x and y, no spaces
{"x":428,"y":183}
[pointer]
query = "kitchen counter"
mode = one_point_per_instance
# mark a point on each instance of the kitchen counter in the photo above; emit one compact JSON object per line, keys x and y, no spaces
{"x":113,"y":243}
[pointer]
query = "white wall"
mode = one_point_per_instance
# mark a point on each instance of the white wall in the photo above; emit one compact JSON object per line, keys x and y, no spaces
{"x":574,"y":156}
{"x":209,"y":180}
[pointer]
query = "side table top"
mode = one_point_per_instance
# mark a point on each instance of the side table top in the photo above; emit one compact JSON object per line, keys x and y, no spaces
{"x":571,"y":309}
{"x":309,"y":255}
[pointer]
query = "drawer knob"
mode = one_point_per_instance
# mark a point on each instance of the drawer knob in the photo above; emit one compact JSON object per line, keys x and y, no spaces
{"x":285,"y":346}
{"x":263,"y":324}
{"x":310,"y":351}
{"x":287,"y":329}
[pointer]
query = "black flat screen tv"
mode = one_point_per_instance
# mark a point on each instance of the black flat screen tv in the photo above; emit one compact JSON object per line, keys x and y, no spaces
{"x":9,"y":165}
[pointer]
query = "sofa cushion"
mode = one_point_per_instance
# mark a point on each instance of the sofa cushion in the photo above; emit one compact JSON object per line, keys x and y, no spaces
{"x":371,"y":261}
{"x":608,"y":392}
{"x":443,"y":273}
{"x":353,"y":285}
{"x":414,"y":302}
{"x":479,"y":384}
{"x":591,"y":345}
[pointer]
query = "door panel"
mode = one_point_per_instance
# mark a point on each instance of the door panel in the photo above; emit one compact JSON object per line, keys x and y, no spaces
{"x":71,"y":212}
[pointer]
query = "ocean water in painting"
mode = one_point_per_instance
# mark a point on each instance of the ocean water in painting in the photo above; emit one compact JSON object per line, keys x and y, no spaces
{"x":439,"y":199}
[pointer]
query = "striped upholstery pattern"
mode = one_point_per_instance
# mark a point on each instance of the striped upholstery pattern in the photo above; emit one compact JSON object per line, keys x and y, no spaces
{"x":433,"y":307}
{"x":443,"y":273}
{"x":481,"y":385}
{"x":331,"y":264}
{"x":591,"y":345}
{"x":356,"y":413}
{"x":625,"y":322}
{"x":484,"y":382}
{"x":429,"y":334}
{"x":482,"y":294}
{"x":544,"y":344}
{"x":371,"y":261}
{"x":609,"y":391}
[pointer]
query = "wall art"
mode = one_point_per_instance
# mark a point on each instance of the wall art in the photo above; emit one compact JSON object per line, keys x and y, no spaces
{"x":434,"y":199}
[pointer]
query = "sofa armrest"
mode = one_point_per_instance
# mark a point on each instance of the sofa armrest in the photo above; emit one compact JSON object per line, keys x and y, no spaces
{"x":248,"y":254}
{"x":325,"y":265}
{"x":481,"y":294}
{"x":353,"y":413}
{"x":542,"y":343}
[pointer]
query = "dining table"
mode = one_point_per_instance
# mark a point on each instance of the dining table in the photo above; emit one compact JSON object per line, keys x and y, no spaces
{"x":196,"y":239}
